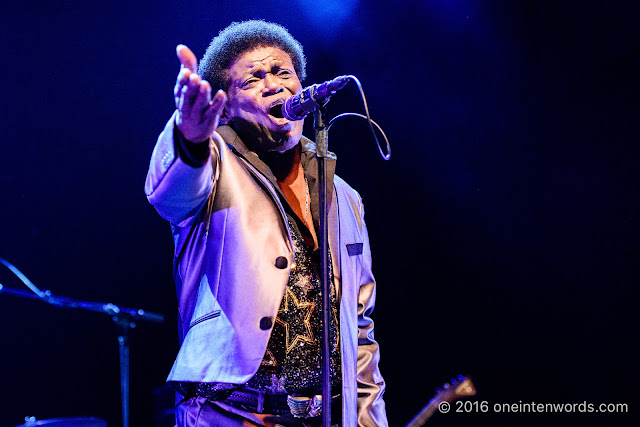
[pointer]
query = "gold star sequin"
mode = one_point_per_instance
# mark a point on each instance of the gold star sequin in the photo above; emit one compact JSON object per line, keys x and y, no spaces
{"x":268,"y":359}
{"x":301,"y":334}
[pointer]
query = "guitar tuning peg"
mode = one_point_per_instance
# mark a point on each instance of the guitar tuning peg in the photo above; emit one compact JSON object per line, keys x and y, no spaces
{"x":453,"y":381}
{"x":438,"y":389}
{"x":460,"y":377}
{"x":446,"y":385}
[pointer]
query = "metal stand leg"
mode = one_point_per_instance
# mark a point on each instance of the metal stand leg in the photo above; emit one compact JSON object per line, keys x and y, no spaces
{"x":123,"y":343}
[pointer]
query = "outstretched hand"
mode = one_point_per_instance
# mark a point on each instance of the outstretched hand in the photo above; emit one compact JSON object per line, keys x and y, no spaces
{"x":198,"y":113}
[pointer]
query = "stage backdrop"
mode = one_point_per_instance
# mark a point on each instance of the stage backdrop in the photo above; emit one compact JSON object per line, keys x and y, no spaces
{"x":502,"y":230}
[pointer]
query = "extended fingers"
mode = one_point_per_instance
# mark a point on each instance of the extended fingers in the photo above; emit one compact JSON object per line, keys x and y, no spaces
{"x":194,"y":94}
{"x":197,"y":124}
{"x":197,"y":113}
{"x":187,"y":58}
{"x":191,"y":88}
{"x":215,"y":108}
{"x":181,"y":81}
{"x":203,"y":96}
{"x":187,"y":81}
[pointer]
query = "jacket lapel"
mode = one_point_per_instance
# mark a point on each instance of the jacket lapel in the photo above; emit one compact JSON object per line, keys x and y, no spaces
{"x":309,"y":164}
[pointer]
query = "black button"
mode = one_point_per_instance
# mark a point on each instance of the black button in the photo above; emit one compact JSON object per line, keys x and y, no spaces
{"x":265,"y":323}
{"x":281,"y":262}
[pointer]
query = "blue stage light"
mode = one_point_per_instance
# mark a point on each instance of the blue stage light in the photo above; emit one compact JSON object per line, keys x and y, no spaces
{"x":328,"y":14}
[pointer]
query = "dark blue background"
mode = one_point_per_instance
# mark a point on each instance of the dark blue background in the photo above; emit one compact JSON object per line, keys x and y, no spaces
{"x":503,"y":229}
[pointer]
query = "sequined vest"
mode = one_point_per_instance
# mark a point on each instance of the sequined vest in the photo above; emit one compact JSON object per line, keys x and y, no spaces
{"x":292,"y":363}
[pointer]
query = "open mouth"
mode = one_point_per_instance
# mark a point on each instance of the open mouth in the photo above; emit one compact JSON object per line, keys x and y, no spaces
{"x":276,"y":111}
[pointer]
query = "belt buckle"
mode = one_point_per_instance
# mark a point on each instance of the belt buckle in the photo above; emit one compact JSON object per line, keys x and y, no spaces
{"x":305,"y":407}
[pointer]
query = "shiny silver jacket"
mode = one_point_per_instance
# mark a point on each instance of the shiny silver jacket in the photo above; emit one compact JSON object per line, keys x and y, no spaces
{"x":231,"y":241}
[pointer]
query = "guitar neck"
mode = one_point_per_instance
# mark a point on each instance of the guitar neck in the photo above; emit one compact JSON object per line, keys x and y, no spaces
{"x":424,"y":414}
{"x":460,"y":387}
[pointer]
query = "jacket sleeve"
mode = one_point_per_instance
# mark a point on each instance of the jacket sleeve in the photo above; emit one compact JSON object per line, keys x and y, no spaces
{"x":371,"y":385}
{"x":180,"y":180}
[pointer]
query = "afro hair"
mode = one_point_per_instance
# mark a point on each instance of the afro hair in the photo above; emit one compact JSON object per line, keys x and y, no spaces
{"x":240,"y":37}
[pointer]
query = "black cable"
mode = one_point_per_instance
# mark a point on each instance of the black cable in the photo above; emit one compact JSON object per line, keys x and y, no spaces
{"x":367,"y":117}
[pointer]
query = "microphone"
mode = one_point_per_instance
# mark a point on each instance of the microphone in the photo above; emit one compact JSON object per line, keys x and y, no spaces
{"x":298,"y":106}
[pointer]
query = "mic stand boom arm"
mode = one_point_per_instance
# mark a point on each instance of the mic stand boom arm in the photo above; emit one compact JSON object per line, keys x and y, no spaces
{"x":123,"y":317}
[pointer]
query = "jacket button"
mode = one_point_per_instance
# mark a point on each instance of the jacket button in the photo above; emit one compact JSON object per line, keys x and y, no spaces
{"x":281,"y":262}
{"x":265,"y":323}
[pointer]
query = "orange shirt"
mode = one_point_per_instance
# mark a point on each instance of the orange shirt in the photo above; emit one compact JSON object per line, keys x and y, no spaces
{"x":296,"y":191}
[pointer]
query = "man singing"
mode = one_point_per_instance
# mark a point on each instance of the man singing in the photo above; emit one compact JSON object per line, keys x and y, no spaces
{"x":239,"y":185}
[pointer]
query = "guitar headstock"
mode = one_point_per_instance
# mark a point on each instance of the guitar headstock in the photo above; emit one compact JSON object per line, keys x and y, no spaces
{"x":458,"y":387}
{"x":455,"y":389}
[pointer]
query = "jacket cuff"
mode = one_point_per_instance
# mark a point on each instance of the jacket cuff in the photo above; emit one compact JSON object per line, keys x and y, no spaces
{"x":191,"y":153}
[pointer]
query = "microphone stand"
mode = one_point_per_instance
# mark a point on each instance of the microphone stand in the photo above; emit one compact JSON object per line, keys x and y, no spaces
{"x":321,"y":134}
{"x":295,"y":108}
{"x":123,"y":317}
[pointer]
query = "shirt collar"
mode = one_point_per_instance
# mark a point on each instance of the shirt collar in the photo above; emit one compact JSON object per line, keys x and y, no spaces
{"x":307,"y":157}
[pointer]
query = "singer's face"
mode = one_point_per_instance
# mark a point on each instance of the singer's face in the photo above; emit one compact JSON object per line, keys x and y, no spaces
{"x":261,"y":80}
